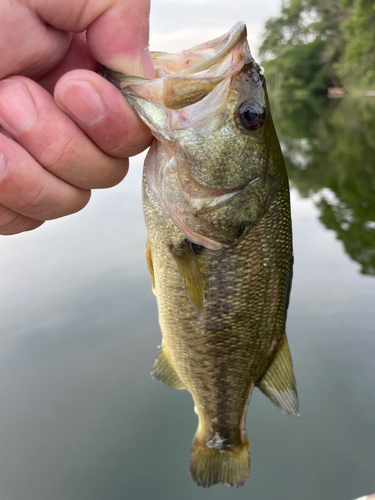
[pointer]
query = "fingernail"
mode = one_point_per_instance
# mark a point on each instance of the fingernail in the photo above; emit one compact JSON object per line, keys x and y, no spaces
{"x":17,"y":107}
{"x":147,"y":64}
{"x":3,"y":165}
{"x":82,"y":102}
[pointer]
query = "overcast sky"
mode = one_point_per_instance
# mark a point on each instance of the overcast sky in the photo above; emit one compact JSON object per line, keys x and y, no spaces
{"x":181,"y":24}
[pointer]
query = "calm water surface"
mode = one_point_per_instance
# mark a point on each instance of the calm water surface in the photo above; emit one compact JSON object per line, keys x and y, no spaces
{"x":80,"y":417}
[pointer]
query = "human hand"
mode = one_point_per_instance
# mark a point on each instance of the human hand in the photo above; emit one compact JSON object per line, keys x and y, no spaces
{"x":53,"y":151}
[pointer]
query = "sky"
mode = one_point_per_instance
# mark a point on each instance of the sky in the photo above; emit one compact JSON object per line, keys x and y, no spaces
{"x":181,"y":24}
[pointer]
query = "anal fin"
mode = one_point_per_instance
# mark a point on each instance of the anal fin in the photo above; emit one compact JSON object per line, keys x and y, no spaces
{"x":164,"y":371}
{"x":279,"y":384}
{"x":190,"y":272}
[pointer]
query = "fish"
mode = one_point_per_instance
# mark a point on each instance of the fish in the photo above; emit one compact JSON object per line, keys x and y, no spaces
{"x":219,"y":248}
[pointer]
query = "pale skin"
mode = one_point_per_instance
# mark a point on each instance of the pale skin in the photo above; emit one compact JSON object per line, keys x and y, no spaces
{"x":64,"y":130}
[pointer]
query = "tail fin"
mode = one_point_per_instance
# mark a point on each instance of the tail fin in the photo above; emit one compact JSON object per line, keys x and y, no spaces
{"x":215,"y":463}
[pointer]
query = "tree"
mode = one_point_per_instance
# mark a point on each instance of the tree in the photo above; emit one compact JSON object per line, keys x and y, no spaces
{"x":357,"y":66}
{"x":316,"y":44}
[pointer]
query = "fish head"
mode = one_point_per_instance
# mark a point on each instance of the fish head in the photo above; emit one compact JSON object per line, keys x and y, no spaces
{"x":218,"y":153}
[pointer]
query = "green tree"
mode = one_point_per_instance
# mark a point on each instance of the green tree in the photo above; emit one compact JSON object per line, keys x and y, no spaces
{"x":301,"y":47}
{"x":357,"y":65}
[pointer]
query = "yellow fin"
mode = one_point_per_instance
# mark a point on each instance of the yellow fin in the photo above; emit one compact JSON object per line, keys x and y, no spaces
{"x":164,"y":371}
{"x":279,"y":384}
{"x":150,"y":265}
{"x":190,"y":272}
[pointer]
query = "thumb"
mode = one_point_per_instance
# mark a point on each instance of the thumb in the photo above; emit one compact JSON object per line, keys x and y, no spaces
{"x":119,"y":38}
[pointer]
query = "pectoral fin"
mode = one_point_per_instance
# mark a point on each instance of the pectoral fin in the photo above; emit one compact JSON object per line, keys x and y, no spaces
{"x":190,"y":272}
{"x":150,"y":265}
{"x":164,"y":371}
{"x":279,"y":384}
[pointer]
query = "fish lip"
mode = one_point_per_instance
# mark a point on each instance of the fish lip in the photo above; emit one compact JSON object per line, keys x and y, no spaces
{"x":225,"y":44}
{"x":237,"y":33}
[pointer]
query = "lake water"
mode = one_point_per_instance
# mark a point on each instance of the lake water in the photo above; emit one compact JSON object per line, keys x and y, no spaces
{"x":81,"y":418}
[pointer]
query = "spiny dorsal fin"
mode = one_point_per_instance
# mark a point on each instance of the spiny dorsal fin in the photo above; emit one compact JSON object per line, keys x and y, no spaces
{"x":164,"y":371}
{"x":279,"y":384}
{"x":150,"y":265}
{"x":190,"y":272}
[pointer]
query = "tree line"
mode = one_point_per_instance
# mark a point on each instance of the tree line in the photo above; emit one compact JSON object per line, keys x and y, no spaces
{"x":317,"y":44}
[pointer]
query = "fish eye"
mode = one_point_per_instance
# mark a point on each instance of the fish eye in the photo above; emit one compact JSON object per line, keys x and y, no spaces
{"x":252,"y":114}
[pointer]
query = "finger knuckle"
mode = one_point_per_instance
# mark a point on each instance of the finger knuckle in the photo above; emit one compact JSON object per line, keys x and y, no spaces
{"x":57,"y":154}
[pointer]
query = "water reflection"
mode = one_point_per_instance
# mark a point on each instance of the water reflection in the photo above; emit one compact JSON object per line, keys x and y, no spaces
{"x":329,"y":148}
{"x":81,"y":418}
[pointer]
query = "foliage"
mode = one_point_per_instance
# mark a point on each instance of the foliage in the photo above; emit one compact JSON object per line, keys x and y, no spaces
{"x":329,"y":148}
{"x":358,"y":63}
{"x":316,"y":44}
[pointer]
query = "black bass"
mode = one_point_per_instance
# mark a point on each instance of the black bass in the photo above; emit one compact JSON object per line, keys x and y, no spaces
{"x":219,"y":249}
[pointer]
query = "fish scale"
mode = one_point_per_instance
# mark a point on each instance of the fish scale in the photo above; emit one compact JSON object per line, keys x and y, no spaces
{"x":219,"y":250}
{"x":242,"y":328}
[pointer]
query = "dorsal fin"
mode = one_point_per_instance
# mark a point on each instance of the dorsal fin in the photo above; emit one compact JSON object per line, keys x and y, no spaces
{"x":164,"y":371}
{"x":279,"y":384}
{"x":190,"y":272}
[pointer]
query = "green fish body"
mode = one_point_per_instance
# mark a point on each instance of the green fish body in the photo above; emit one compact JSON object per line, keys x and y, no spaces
{"x":219,"y":250}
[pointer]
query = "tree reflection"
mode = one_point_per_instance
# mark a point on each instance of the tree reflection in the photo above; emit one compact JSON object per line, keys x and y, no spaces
{"x":329,"y":149}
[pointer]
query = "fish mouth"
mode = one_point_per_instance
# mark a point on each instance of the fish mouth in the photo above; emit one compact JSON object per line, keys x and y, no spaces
{"x":191,"y":75}
{"x":186,"y":77}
